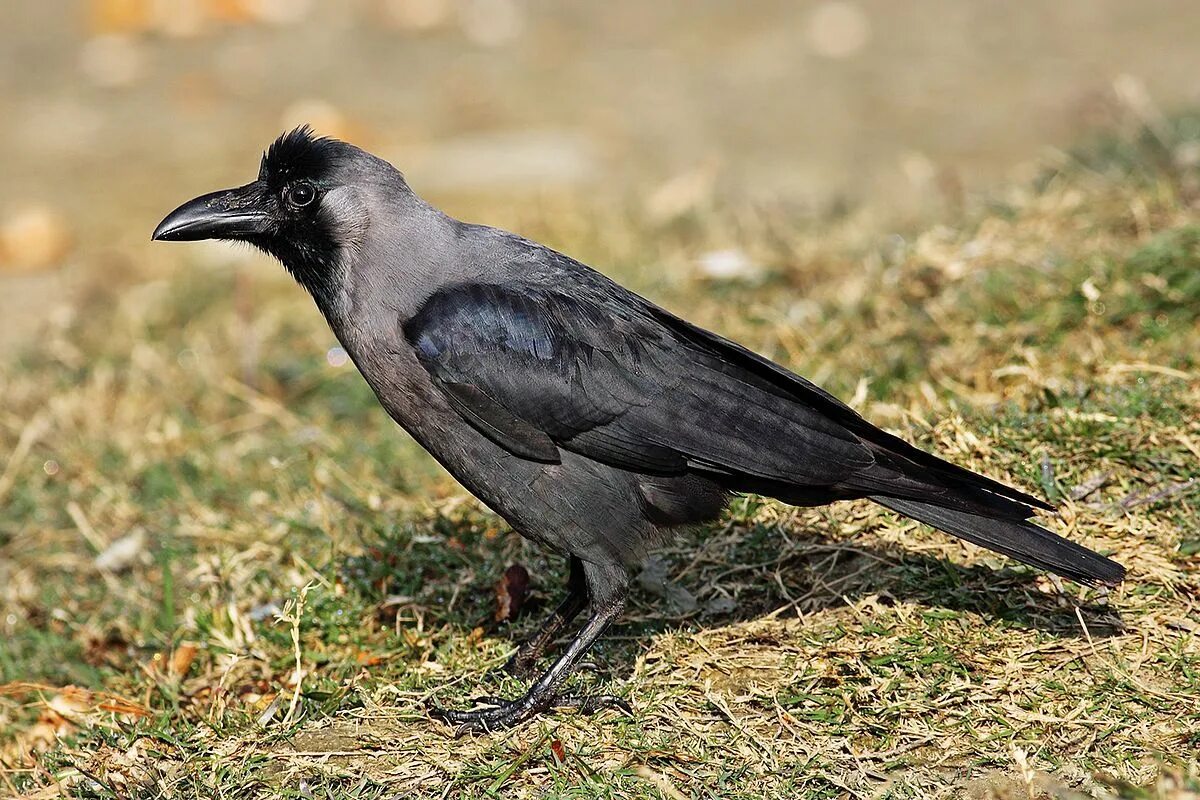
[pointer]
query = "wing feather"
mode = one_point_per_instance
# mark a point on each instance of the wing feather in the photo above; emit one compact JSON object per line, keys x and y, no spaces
{"x":602,"y":377}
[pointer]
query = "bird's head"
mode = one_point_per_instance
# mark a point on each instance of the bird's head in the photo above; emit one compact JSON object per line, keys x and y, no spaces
{"x":307,"y":207}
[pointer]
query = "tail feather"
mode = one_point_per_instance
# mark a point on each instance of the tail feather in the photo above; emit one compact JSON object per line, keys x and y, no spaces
{"x":1019,"y":539}
{"x":898,"y":454}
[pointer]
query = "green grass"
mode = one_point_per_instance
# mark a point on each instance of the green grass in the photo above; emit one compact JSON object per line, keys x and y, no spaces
{"x":275,"y":514}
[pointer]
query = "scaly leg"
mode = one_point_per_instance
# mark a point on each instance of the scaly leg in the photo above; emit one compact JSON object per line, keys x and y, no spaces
{"x":528,"y":653}
{"x":607,"y":585}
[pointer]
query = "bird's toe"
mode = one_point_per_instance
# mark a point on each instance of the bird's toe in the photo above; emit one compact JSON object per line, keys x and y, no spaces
{"x":588,"y":704}
{"x":499,"y":714}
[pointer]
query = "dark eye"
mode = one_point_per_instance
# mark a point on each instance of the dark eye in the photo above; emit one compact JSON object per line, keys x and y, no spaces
{"x":300,"y":194}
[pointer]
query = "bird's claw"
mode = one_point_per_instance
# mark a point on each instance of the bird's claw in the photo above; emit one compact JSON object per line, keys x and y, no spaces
{"x":496,"y":715}
{"x":588,"y":704}
{"x":499,"y":713}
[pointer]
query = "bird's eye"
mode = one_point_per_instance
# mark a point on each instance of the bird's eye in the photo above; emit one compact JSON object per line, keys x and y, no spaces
{"x":301,"y":194}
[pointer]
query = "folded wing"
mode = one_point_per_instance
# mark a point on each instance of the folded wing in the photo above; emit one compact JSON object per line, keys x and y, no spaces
{"x":538,"y":370}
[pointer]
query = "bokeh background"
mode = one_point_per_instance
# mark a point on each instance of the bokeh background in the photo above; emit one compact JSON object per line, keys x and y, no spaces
{"x":115,"y":110}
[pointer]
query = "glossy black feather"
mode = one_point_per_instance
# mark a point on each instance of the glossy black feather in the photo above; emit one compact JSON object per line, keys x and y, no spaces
{"x":499,"y":424}
{"x":300,"y":153}
{"x":803,"y":390}
{"x":604,"y":373}
{"x":1019,"y":539}
{"x":611,"y":383}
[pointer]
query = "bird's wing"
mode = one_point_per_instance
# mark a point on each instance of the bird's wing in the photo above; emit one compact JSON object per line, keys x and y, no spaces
{"x":901,"y":469}
{"x":594,"y":370}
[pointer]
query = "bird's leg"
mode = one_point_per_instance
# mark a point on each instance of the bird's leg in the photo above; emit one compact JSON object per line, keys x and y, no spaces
{"x":532,"y":648}
{"x":607,"y":586}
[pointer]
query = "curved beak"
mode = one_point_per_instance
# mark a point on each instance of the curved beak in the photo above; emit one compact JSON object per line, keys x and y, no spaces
{"x":227,"y":214}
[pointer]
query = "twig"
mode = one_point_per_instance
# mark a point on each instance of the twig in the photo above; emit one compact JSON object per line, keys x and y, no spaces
{"x":292,"y":616}
{"x":94,"y":540}
{"x":1134,"y":500}
{"x":32,"y":431}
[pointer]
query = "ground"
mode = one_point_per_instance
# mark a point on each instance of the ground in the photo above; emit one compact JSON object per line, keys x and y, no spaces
{"x":225,"y":573}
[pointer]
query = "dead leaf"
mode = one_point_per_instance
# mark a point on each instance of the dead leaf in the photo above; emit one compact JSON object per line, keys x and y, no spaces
{"x":511,"y":591}
{"x":182,"y":658}
{"x":368,"y":659}
{"x":72,"y":699}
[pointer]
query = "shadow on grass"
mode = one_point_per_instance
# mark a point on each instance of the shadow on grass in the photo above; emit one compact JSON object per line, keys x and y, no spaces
{"x":755,"y":577}
{"x":1011,"y":595}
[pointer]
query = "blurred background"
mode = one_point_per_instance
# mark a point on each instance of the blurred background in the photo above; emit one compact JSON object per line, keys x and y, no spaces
{"x":116,"y":110}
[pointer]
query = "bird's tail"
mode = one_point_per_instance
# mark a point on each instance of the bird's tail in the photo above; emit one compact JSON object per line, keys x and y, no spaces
{"x":1019,"y":539}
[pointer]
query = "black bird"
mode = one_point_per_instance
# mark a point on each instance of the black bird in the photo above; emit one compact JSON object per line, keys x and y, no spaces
{"x":589,"y":418}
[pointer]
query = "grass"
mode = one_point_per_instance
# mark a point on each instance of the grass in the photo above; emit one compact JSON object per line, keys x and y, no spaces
{"x":224,"y":573}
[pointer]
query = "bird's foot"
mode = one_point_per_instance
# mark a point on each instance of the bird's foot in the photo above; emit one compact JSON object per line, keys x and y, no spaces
{"x":499,"y":713}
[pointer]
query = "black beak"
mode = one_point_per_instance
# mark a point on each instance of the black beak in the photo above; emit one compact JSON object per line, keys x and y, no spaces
{"x":227,"y":214}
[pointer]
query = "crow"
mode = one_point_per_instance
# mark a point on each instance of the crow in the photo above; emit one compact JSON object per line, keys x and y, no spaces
{"x":590,"y":419}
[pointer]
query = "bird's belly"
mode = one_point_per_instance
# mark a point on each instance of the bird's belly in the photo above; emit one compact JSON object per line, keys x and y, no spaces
{"x":577,"y":507}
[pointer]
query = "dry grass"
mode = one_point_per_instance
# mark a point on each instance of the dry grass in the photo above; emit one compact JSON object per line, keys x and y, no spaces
{"x":253,"y":582}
